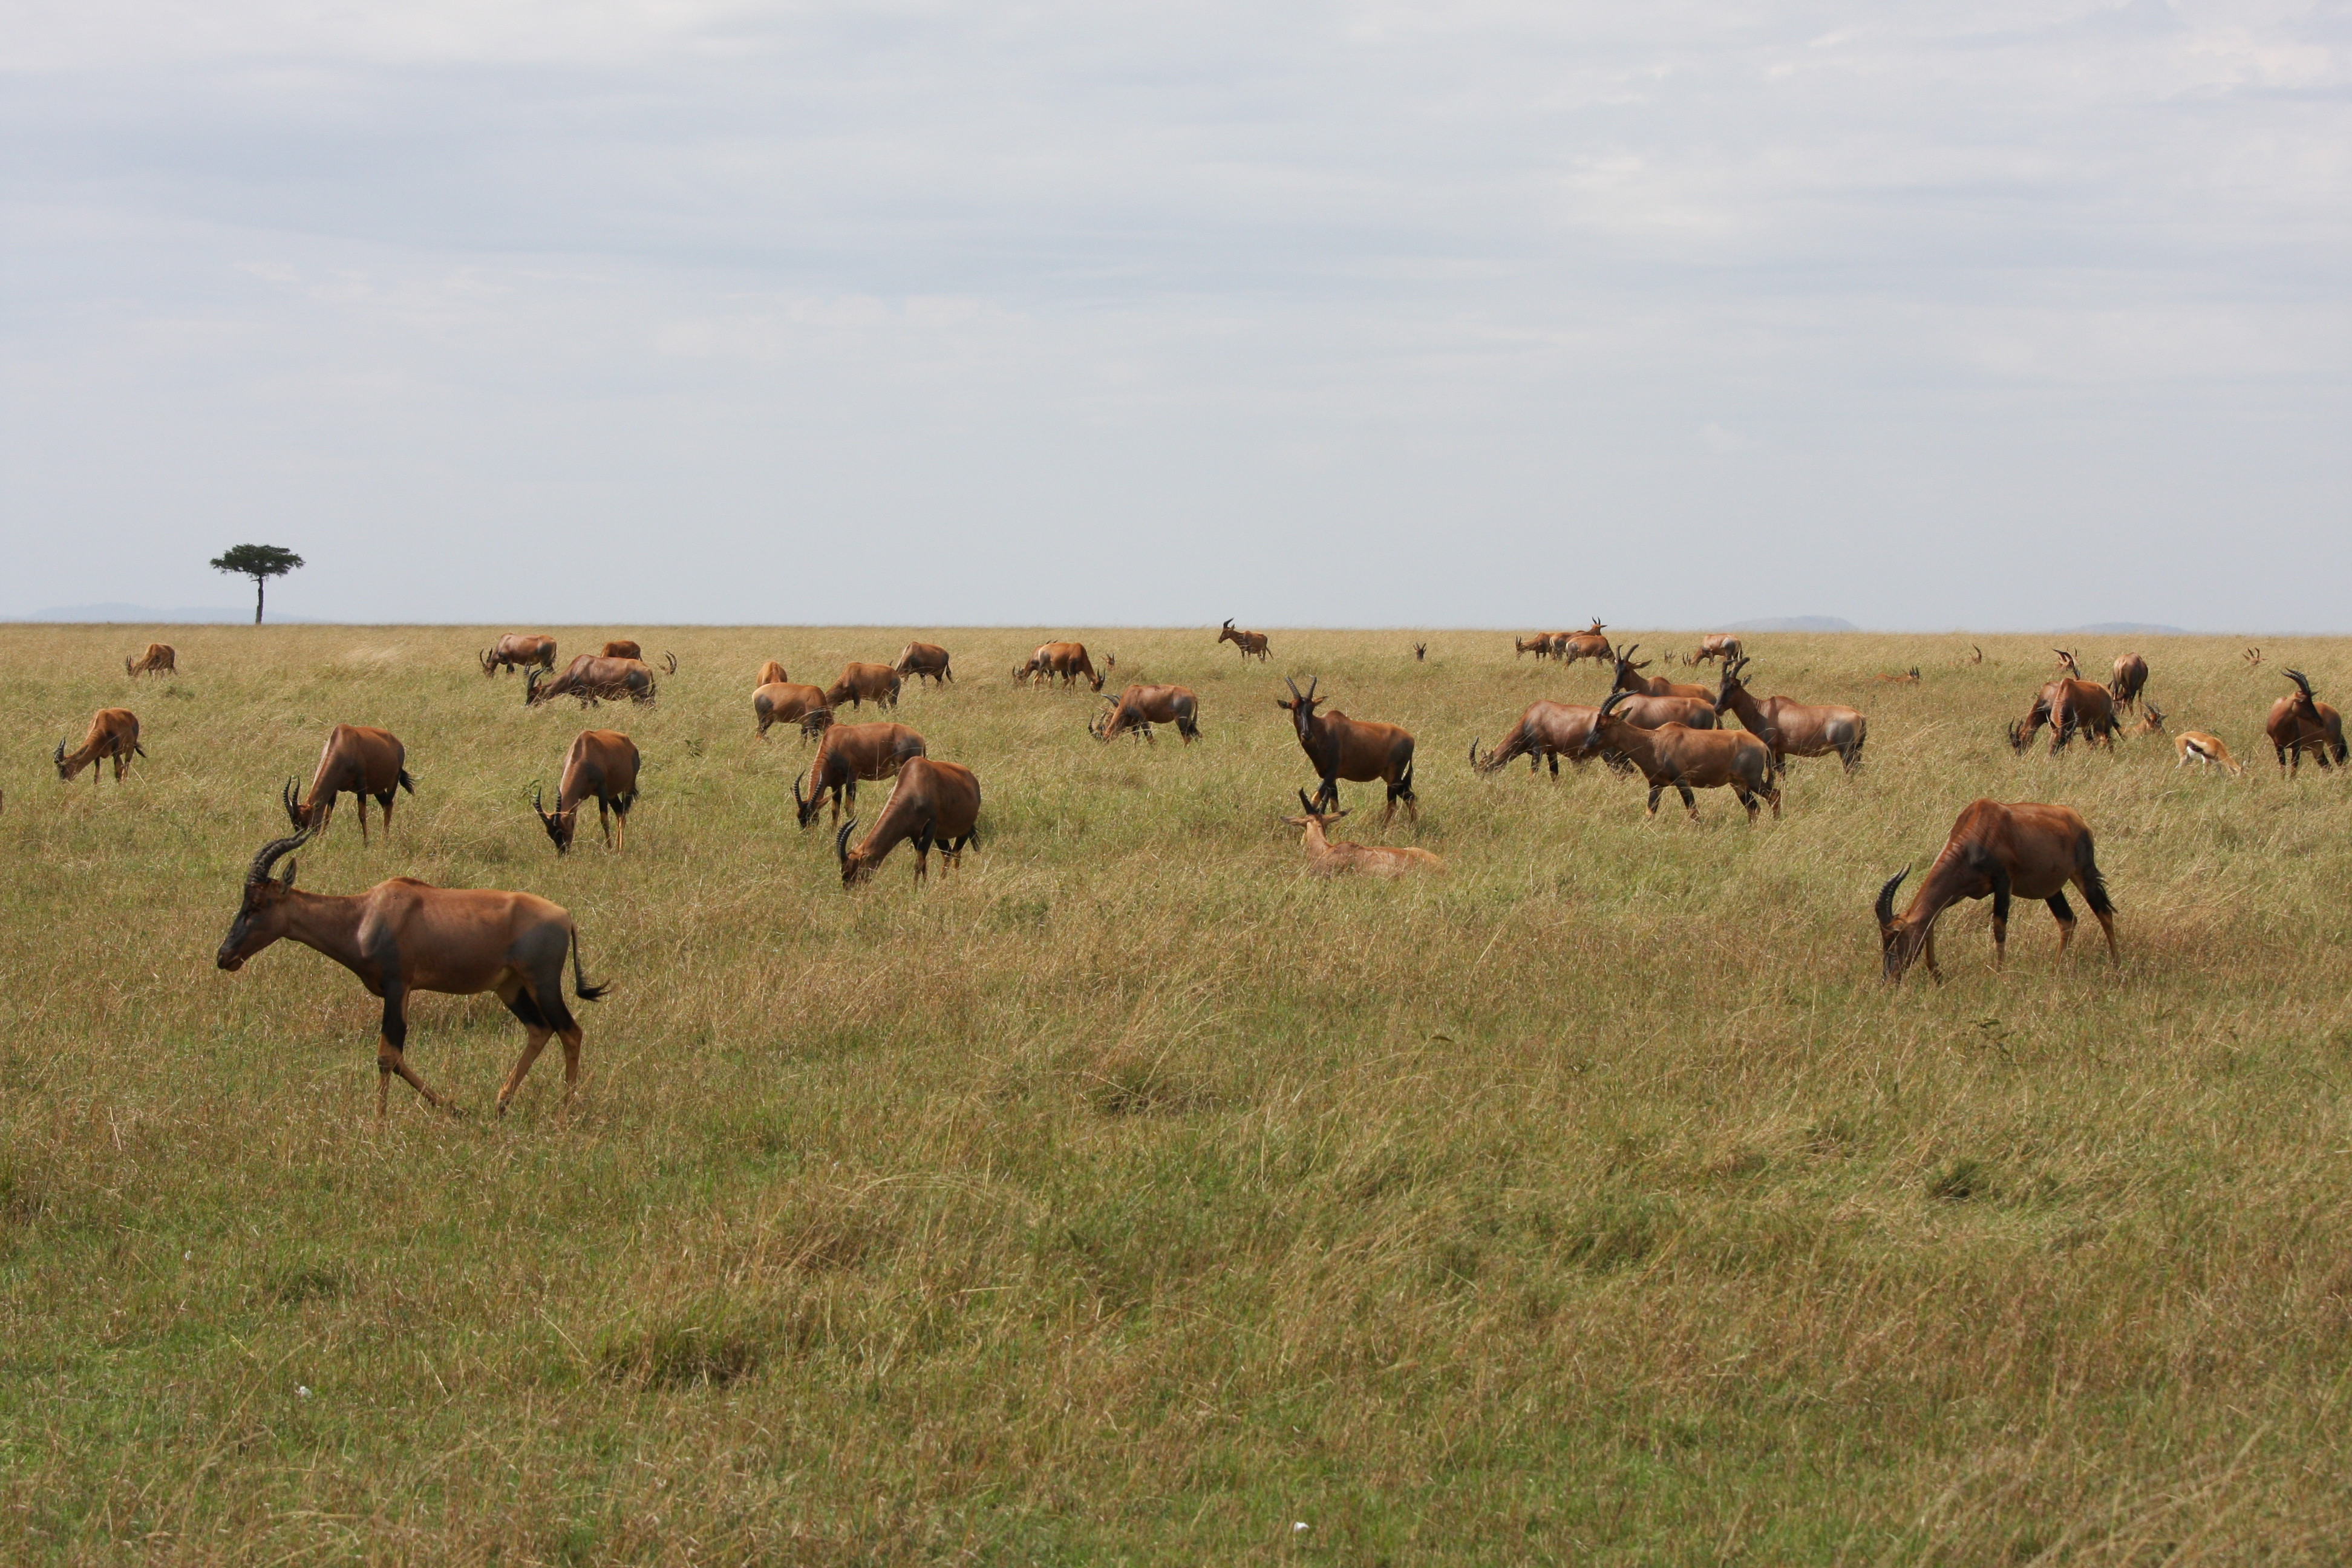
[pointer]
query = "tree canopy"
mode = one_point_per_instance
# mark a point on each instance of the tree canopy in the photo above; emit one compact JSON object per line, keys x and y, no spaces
{"x":258,"y":562}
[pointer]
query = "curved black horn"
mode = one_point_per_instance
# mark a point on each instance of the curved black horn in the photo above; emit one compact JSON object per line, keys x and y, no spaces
{"x":669,"y":663}
{"x":293,"y":812}
{"x":1307,"y":805}
{"x":2301,"y":681}
{"x":269,"y":855}
{"x":1609,"y":706}
{"x":1287,"y":680}
{"x":841,"y":842}
{"x":1229,"y":622}
{"x":1886,"y":897}
{"x":538,"y":806}
{"x":61,"y":751}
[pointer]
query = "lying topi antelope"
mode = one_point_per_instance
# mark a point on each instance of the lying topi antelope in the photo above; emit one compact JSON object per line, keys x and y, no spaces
{"x":114,"y":733}
{"x":932,"y":803}
{"x":1251,"y":644}
{"x":1359,"y":750}
{"x":850,"y":752}
{"x":863,"y":683}
{"x":359,"y":761}
{"x":2021,"y":850}
{"x":1326,"y":858}
{"x":160,"y":658}
{"x":1793,"y":729}
{"x":2208,"y":750}
{"x":782,"y":702}
{"x":602,"y":764}
{"x":519,"y":650}
{"x":403,"y":936}
{"x":925,"y":661}
{"x":1140,"y":707}
{"x":592,"y":677}
{"x":1688,"y":758}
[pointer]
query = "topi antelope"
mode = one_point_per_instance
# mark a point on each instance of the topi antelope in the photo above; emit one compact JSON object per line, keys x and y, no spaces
{"x":358,"y":762}
{"x":1539,"y":645}
{"x":1657,"y":712}
{"x":863,"y":683}
{"x":2254,"y":657}
{"x":403,"y":936}
{"x":771,"y":673}
{"x":113,"y":734}
{"x":850,"y":752}
{"x":1545,"y":732}
{"x":1592,"y":643}
{"x":1687,"y":759}
{"x":1420,"y":652}
{"x":1652,"y":685}
{"x":2021,"y":850}
{"x":161,"y":658}
{"x":1793,"y":729}
{"x":1900,"y":677}
{"x":519,"y":650}
{"x":1717,"y":645}
{"x":782,"y":702}
{"x":1140,"y":707}
{"x":1328,"y":858}
{"x":1065,"y":659}
{"x":603,"y":765}
{"x":2300,"y":723}
{"x":623,"y":647}
{"x":1251,"y":644}
{"x":932,"y":803}
{"x":1976,"y":654}
{"x":2207,"y":751}
{"x":2131,"y":677}
{"x":1359,"y":750}
{"x":2068,"y":704}
{"x":925,"y":661}
{"x":593,"y":678}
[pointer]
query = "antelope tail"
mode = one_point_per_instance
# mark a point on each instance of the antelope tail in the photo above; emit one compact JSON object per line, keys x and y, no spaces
{"x":407,"y":782}
{"x":579,"y":986}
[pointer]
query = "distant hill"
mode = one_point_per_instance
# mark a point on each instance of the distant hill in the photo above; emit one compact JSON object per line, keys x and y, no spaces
{"x":2124,"y":630}
{"x":1797,"y":624}
{"x":204,"y":615}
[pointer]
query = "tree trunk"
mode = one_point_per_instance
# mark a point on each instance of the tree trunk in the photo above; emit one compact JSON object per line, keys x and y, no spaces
{"x":258,"y":584}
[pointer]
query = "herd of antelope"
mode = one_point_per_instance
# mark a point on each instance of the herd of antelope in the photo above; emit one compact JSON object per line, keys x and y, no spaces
{"x":403,"y":936}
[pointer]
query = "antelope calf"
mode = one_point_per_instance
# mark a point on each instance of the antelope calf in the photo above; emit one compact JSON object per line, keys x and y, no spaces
{"x":601,"y":765}
{"x":2021,"y":850}
{"x":158,"y":660}
{"x":356,"y":761}
{"x":782,"y":702}
{"x":1328,"y":858}
{"x":925,"y":661}
{"x":1140,"y":707}
{"x":2207,"y":751}
{"x":932,"y":803}
{"x":1357,"y":750}
{"x":1251,"y":644}
{"x":403,"y":936}
{"x":113,"y":734}
{"x":519,"y":650}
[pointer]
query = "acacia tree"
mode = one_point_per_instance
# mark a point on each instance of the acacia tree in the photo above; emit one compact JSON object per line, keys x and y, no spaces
{"x":258,"y":562}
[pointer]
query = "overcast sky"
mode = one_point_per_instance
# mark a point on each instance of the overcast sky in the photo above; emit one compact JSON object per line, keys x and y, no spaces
{"x":1993,"y":315}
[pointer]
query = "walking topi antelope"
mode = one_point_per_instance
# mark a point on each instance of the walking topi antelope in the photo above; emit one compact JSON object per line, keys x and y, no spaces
{"x":1359,"y":750}
{"x":519,"y":650}
{"x":1592,"y":643}
{"x":925,"y":661}
{"x":782,"y":702}
{"x":1140,"y":707}
{"x":593,"y":678}
{"x":1065,"y":659}
{"x":2021,"y":850}
{"x":1328,"y":858}
{"x":161,"y":658}
{"x":2302,"y":722}
{"x":1793,"y":729}
{"x":113,"y":734}
{"x":932,"y":803}
{"x":403,"y":936}
{"x":1251,"y":644}
{"x":355,"y":760}
{"x":601,"y":765}
{"x":863,"y":683}
{"x":850,"y":752}
{"x":1685,"y":759}
{"x":1652,"y":685}
{"x":1545,"y":732}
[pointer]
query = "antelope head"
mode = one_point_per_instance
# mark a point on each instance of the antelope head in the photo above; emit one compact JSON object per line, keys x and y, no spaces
{"x":1602,"y":723}
{"x":2302,"y":685}
{"x":559,"y":824}
{"x":1314,"y":822}
{"x":261,"y":917}
{"x":530,"y":687}
{"x":64,"y":772}
{"x":490,"y":662}
{"x":2067,"y":662}
{"x":1626,"y":667}
{"x":2252,"y":655}
{"x":1420,"y":652}
{"x":295,"y":813}
{"x":1227,"y":634}
{"x":1898,"y":943}
{"x":1301,"y":705}
{"x":854,"y":868}
{"x":806,"y":808}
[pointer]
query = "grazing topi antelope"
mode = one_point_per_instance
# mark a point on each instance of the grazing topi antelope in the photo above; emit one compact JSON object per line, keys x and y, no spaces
{"x":925,"y":661}
{"x":863,"y":683}
{"x":602,"y":764}
{"x":850,"y":752}
{"x":2021,"y":850}
{"x":782,"y":702}
{"x":160,"y":658}
{"x":932,"y":803}
{"x":1545,"y":732}
{"x":359,"y":761}
{"x":519,"y":650}
{"x":1140,"y":707}
{"x":114,"y":733}
{"x":403,"y":936}
{"x":1717,"y":645}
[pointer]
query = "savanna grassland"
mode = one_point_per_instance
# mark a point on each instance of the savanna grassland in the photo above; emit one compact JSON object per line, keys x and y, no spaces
{"x":1130,"y":1196}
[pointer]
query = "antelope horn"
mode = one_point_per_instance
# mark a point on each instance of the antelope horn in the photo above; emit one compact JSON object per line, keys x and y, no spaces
{"x":293,"y":812}
{"x":269,"y":855}
{"x":1307,"y":805}
{"x":61,"y":751}
{"x":1285,"y":680}
{"x":1886,"y":897}
{"x":538,"y":808}
{"x":841,"y":842}
{"x":1312,"y":682}
{"x":2300,"y":679}
{"x":669,"y":663}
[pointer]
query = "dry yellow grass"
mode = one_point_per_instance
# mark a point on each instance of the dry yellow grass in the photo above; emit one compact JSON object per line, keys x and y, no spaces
{"x":1130,"y":1195}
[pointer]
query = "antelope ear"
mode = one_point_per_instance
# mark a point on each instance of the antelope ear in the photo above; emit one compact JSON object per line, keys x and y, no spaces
{"x":287,"y":880}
